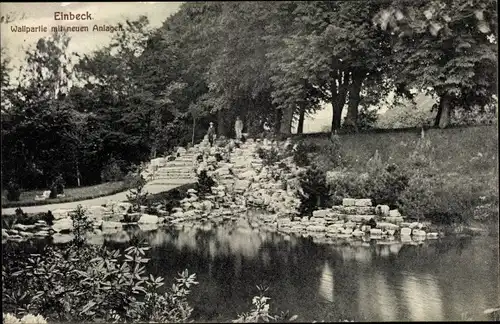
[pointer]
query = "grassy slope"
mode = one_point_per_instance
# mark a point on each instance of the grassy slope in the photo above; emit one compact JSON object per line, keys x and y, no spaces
{"x":71,"y":194}
{"x":466,"y":157}
{"x":455,"y":148}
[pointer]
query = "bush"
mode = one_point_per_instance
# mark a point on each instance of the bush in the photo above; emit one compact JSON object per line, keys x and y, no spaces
{"x":57,"y":187}
{"x":81,"y":224}
{"x":300,"y":154}
{"x":314,"y":193}
{"x":331,"y":155}
{"x":205,"y":183}
{"x":274,"y":154}
{"x":444,"y":201}
{"x":385,"y":182}
{"x":82,"y":283}
{"x":112,"y":171}
{"x":269,"y":156}
{"x":347,"y":185}
{"x":138,"y":196}
{"x":260,"y":311}
{"x":13,"y":191}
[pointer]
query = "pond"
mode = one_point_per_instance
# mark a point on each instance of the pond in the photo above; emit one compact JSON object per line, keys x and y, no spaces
{"x":447,"y":279}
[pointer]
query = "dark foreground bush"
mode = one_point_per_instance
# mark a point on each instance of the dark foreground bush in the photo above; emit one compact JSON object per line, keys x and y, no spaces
{"x":77,"y":282}
{"x":314,"y":193}
{"x":205,"y":183}
{"x":13,"y":191}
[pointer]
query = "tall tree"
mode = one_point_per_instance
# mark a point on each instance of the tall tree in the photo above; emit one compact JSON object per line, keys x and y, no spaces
{"x":445,"y":48}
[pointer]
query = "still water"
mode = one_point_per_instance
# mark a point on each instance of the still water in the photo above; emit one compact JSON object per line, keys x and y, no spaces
{"x":440,"y":280}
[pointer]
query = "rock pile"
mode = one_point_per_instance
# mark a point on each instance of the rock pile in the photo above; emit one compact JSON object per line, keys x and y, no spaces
{"x":357,"y":218}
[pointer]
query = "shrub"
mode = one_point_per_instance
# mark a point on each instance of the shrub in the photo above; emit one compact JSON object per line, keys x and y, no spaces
{"x":131,"y":179}
{"x":444,"y":201}
{"x":13,"y":191}
{"x":274,"y":154}
{"x":112,"y":171}
{"x":300,"y":153}
{"x":57,"y":187}
{"x":331,"y":155}
{"x":347,"y":185}
{"x":269,"y":156}
{"x":138,"y":196}
{"x":81,"y":224}
{"x":314,"y":193}
{"x":260,"y":311}
{"x":49,"y":218}
{"x":383,"y":183}
{"x":88,"y":283}
{"x":205,"y":183}
{"x":386,"y":185}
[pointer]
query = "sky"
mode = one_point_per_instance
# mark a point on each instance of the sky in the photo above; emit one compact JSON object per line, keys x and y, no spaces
{"x":103,"y":13}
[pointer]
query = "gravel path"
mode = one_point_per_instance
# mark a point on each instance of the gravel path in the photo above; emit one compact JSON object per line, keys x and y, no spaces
{"x":122,"y":196}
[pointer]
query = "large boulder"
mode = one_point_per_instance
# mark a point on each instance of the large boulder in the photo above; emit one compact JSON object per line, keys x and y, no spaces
{"x":148,"y":219}
{"x":61,"y":213}
{"x":241,"y":185}
{"x":97,"y":212}
{"x":348,"y":202}
{"x":64,"y":224}
{"x":394,"y":213}
{"x":363,"y":202}
{"x":62,"y":238}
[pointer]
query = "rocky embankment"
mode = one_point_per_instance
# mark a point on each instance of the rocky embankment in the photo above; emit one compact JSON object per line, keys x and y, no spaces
{"x":243,"y":182}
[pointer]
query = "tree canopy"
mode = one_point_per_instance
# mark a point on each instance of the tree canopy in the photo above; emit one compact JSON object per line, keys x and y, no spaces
{"x":270,"y":63}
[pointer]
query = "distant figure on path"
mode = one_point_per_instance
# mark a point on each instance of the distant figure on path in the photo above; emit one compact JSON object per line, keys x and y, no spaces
{"x":211,"y":134}
{"x":238,"y":127}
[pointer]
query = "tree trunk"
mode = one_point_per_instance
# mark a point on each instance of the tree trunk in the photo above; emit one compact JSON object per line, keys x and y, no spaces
{"x":438,"y":115}
{"x":444,"y":111}
{"x":354,"y":99}
{"x":277,"y":122}
{"x":302,"y":115}
{"x":194,"y":127}
{"x":286,"y":122}
{"x":78,"y":174}
{"x":153,"y":151}
{"x":338,"y":99}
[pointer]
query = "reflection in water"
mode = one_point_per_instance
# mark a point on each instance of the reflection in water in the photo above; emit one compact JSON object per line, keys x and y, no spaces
{"x":364,"y":281}
{"x":423,"y":298}
{"x":387,"y":301}
{"x":326,"y":283}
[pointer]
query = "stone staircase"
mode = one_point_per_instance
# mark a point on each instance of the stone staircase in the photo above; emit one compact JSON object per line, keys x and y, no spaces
{"x":179,"y":171}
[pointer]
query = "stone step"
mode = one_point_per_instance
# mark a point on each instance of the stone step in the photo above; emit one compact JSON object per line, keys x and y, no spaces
{"x":164,"y":172}
{"x":171,"y":183}
{"x":178,"y":164}
{"x":187,"y":176}
{"x":180,"y":167}
{"x":186,"y":170}
{"x":353,"y":210}
{"x":177,"y":176}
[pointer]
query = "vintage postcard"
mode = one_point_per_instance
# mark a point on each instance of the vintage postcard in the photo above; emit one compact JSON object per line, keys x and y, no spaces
{"x":252,"y":161}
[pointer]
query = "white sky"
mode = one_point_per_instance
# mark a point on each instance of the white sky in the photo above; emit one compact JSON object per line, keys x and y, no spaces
{"x":42,"y":14}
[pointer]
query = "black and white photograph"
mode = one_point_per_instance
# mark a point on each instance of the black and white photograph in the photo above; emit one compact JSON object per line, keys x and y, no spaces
{"x":249,"y":161}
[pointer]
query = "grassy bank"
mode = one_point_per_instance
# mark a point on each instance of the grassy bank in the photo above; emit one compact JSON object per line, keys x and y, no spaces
{"x":470,"y":151}
{"x":462,"y":183}
{"x":71,"y":194}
